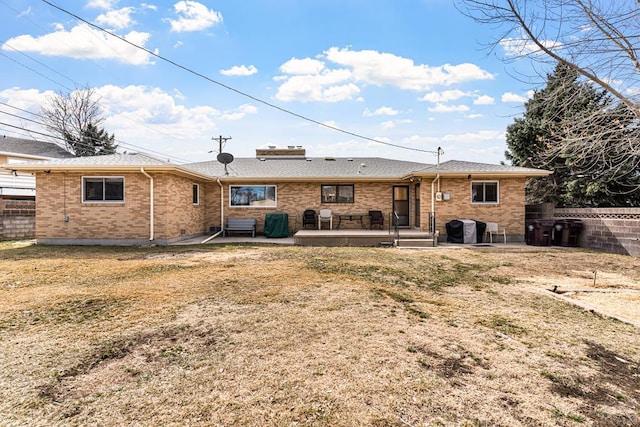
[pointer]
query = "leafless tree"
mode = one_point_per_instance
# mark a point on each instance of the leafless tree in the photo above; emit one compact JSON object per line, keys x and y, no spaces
{"x":600,"y":41}
{"x":70,"y":114}
{"x":598,"y":38}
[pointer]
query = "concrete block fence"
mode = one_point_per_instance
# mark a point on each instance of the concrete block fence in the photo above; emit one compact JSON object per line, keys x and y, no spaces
{"x":613,"y":230}
{"x":17,"y":219}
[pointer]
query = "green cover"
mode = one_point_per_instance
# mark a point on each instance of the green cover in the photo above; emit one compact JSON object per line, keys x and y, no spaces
{"x":276,"y":225}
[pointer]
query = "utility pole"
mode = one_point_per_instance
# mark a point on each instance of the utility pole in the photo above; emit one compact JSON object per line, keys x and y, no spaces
{"x":221,"y":140}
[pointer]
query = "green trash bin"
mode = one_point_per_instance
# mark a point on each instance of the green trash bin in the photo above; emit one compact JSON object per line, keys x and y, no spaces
{"x":276,"y":225}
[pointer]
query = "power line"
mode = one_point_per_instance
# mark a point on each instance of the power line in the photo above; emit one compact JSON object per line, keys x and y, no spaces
{"x":232,"y":89}
{"x":109,"y":104}
{"x":121,"y":143}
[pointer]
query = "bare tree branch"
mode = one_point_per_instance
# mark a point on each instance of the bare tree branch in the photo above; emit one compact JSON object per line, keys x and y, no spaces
{"x":597,"y":38}
{"x":70,"y":114}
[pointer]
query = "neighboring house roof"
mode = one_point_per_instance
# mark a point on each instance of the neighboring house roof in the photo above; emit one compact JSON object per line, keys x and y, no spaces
{"x":285,"y":168}
{"x":31,"y":149}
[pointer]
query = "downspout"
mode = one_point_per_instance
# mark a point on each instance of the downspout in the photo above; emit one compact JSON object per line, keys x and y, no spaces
{"x":433,"y":200}
{"x":151,"y":227}
{"x":221,"y":214}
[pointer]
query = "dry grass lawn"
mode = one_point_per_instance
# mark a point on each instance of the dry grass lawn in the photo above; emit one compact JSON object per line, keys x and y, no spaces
{"x":298,"y":336}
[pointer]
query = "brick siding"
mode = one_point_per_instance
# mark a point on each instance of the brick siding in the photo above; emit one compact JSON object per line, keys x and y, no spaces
{"x":509,"y":212}
{"x":294,"y":198}
{"x":59,"y":197}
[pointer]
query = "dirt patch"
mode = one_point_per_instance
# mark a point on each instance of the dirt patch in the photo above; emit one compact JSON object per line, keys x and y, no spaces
{"x":310,"y":336}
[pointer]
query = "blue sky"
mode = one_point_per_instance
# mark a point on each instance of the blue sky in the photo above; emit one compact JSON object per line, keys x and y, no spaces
{"x":409,"y":73}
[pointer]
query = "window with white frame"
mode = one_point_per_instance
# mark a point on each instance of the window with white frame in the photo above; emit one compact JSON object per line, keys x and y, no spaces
{"x":196,"y":194}
{"x":253,"y":196}
{"x":484,"y":192}
{"x":97,"y":189}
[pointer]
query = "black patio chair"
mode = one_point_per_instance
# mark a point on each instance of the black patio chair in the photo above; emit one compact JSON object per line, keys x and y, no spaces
{"x":376,"y":219}
{"x":309,"y":218}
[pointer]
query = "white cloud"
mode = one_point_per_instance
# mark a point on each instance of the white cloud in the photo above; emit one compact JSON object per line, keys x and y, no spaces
{"x":445,"y":108}
{"x":473,"y":116}
{"x":118,"y":19}
{"x":484,"y":100}
{"x":309,"y":79}
{"x":84,"y":42}
{"x":474,"y":137}
{"x":193,"y":16}
{"x":513,"y":97}
{"x":240,"y":70}
{"x":148,"y":6}
{"x":331,"y":123}
{"x":382,"y":111}
{"x":304,"y":66}
{"x":102,"y":4}
{"x":25,"y":99}
{"x":25,"y":12}
{"x":390,"y":124}
{"x":329,"y":86}
{"x":524,"y":46}
{"x":380,"y":68}
{"x":239,"y":113}
{"x":445,"y":96}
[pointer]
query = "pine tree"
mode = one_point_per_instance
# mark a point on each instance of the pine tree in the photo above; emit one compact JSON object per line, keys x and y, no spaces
{"x":574,"y":130}
{"x":92,"y":142}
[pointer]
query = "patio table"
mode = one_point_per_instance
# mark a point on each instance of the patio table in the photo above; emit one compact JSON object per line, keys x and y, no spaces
{"x":351,"y":217}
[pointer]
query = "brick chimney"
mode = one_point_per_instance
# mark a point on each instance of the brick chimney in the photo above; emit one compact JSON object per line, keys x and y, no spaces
{"x":292,"y":151}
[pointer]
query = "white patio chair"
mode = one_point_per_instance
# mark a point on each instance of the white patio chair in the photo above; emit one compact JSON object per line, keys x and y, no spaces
{"x":325,"y":216}
{"x":492,"y":228}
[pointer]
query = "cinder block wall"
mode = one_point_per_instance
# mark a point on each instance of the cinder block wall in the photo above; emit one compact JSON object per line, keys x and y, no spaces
{"x":17,"y":219}
{"x":509,"y":212}
{"x":613,"y":230}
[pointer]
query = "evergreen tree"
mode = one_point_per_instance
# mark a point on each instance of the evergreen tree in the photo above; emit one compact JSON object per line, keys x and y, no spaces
{"x":574,"y":130}
{"x":92,"y":142}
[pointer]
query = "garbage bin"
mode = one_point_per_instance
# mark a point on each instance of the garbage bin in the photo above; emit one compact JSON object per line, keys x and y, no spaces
{"x":567,"y":232}
{"x":539,"y":232}
{"x":481,"y":227}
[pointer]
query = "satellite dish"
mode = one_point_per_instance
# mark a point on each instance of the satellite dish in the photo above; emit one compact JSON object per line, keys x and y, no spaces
{"x":225,"y":158}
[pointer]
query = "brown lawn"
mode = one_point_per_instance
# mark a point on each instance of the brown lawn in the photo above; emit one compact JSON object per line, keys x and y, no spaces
{"x":298,"y":336}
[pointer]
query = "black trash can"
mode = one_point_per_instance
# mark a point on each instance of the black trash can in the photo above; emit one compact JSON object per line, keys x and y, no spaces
{"x":560,"y":232}
{"x":539,"y":232}
{"x":481,"y":227}
{"x":567,"y":232}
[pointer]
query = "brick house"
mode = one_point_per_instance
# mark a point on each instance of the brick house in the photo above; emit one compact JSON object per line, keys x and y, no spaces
{"x":137,"y":199}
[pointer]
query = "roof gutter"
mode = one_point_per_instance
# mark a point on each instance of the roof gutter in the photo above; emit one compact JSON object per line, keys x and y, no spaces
{"x":151,"y":225}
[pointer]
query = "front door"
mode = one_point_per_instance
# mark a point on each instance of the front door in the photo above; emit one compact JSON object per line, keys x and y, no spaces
{"x":401,"y":204}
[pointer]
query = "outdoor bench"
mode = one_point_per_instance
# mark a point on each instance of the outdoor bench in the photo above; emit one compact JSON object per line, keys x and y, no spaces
{"x":240,"y":224}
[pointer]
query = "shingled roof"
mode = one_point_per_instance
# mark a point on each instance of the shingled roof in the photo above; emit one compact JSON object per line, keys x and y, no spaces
{"x":284,"y":168}
{"x":31,"y":148}
{"x":309,"y":168}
